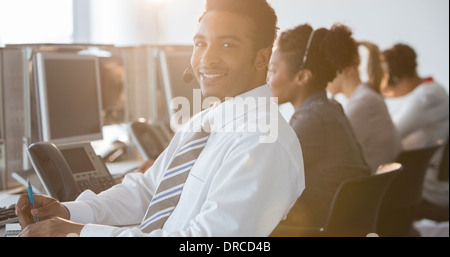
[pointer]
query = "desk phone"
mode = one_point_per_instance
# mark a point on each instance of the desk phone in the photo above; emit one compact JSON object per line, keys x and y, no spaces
{"x":67,"y":170}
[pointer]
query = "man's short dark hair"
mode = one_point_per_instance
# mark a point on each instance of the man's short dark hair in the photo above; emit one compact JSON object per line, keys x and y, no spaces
{"x":259,"y":11}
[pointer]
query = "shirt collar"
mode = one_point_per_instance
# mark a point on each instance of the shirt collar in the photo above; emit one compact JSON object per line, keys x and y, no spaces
{"x":235,"y":107}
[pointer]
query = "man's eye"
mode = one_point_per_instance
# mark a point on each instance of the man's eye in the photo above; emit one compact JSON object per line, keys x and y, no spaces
{"x":199,"y":44}
{"x":227,"y":45}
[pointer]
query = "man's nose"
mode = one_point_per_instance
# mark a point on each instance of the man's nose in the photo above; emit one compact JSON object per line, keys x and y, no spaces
{"x":210,"y":56}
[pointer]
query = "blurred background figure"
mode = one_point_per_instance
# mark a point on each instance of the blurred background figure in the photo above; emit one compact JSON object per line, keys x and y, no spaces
{"x":113,"y":90}
{"x":366,"y":109}
{"x":303,"y":63}
{"x":419,"y":108}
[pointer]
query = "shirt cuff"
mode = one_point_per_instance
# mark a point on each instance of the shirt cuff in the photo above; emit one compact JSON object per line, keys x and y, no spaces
{"x":94,"y":230}
{"x":80,"y":212}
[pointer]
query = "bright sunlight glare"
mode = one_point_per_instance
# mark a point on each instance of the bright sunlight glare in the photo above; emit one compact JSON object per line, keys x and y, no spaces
{"x":31,"y":21}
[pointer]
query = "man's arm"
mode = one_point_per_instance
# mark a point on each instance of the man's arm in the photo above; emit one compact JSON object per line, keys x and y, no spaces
{"x":252,"y":191}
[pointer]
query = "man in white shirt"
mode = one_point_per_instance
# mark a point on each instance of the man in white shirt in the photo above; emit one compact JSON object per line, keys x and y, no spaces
{"x":248,"y":175}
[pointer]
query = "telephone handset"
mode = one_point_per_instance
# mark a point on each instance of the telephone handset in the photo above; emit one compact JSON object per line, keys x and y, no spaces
{"x":69,"y":169}
{"x":151,"y":139}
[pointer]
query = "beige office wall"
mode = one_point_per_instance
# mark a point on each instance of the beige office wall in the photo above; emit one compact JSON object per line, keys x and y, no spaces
{"x":422,"y":24}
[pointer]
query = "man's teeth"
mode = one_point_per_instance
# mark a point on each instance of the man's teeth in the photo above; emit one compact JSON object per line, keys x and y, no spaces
{"x":211,"y":76}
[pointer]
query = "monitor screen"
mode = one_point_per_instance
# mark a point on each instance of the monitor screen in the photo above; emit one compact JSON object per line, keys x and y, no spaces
{"x":78,"y":160}
{"x":69,"y":97}
{"x":173,"y":61}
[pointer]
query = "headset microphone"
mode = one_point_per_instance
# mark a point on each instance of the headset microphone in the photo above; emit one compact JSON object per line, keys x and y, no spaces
{"x":187,"y":75}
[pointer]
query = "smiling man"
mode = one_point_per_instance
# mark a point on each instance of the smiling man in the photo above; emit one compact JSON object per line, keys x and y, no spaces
{"x":236,"y":185}
{"x":225,"y":60}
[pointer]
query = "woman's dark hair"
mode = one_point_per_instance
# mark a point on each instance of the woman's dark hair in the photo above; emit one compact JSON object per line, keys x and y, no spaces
{"x":330,"y":51}
{"x":401,"y":62}
{"x":259,"y":11}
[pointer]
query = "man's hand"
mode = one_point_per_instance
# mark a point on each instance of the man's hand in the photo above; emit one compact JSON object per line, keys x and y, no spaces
{"x":53,"y":227}
{"x":44,"y":208}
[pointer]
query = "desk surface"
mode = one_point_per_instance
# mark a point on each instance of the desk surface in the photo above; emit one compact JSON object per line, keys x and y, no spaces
{"x":11,"y":196}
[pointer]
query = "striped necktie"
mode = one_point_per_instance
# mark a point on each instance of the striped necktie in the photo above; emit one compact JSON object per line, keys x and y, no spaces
{"x":169,"y":190}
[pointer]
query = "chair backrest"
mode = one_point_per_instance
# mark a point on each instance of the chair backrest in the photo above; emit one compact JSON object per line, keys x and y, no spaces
{"x":355,"y":207}
{"x":406,"y":188}
{"x":404,"y":193}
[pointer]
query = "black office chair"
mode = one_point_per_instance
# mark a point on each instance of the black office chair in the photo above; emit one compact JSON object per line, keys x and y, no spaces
{"x":354,"y":209}
{"x":404,"y":193}
{"x":427,"y":210}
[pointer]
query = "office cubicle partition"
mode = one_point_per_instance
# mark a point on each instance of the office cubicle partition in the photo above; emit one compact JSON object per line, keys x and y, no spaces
{"x":2,"y":143}
{"x":15,"y":117}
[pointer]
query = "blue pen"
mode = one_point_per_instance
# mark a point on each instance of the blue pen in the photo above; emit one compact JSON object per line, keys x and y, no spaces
{"x":31,"y":199}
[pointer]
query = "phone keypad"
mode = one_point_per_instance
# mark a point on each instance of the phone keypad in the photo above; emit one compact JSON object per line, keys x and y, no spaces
{"x":96,"y":184}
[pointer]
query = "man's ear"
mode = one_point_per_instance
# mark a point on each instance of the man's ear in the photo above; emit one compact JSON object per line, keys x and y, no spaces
{"x":349,"y":71}
{"x":303,"y":77}
{"x":263,"y":58}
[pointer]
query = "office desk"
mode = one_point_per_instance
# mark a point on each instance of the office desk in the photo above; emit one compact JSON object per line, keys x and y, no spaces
{"x":117,"y":170}
{"x":8,"y":197}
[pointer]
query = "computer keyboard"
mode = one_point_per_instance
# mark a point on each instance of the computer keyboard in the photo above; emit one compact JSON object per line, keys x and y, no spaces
{"x":8,"y":215}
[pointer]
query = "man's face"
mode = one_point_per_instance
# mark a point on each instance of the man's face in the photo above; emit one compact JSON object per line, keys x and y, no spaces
{"x":223,"y":57}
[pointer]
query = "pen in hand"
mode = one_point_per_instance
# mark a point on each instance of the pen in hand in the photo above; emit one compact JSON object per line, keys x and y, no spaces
{"x":31,"y":199}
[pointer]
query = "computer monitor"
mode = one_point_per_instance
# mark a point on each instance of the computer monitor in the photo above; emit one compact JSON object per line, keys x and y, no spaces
{"x":69,"y":97}
{"x":173,"y":61}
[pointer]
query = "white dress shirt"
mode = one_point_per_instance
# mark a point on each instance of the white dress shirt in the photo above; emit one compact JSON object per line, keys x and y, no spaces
{"x":373,"y":126}
{"x":243,"y":183}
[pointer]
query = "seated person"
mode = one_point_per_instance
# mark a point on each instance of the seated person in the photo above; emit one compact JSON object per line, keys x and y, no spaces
{"x":419,"y":108}
{"x":241,"y":182}
{"x":366,"y":109}
{"x":303,"y":63}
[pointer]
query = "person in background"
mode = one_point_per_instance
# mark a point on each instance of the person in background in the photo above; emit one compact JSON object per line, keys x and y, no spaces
{"x":419,"y":107}
{"x":366,"y":109}
{"x":242,"y":182}
{"x":303,"y":63}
